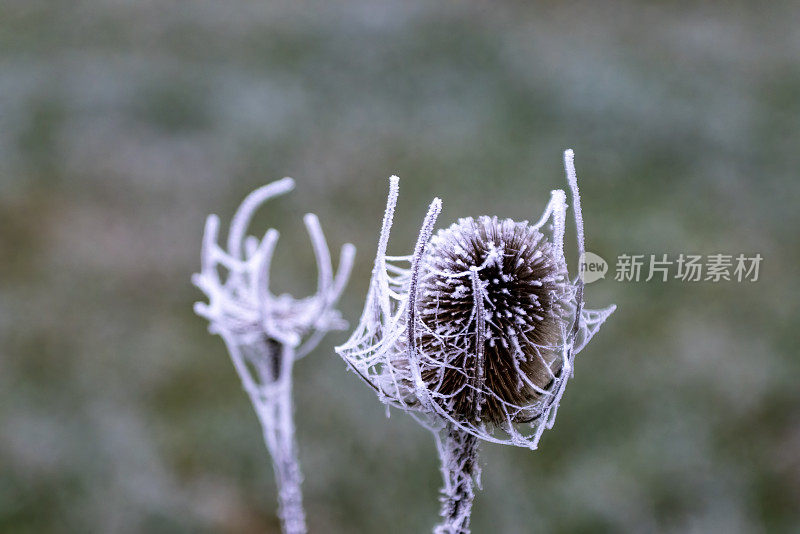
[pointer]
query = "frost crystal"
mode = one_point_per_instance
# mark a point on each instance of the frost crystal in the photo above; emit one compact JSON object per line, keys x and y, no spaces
{"x":265,"y":333}
{"x":475,"y":333}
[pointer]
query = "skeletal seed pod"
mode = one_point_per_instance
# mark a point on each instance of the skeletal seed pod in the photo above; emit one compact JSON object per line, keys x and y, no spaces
{"x":522,"y":284}
{"x":265,"y":333}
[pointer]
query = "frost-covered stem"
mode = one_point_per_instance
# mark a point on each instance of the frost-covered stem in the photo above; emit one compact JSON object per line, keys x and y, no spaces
{"x":287,"y":473}
{"x":458,"y":451}
{"x":275,"y":411}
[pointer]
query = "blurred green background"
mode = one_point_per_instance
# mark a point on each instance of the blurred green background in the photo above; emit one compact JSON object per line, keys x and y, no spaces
{"x":124,"y":123}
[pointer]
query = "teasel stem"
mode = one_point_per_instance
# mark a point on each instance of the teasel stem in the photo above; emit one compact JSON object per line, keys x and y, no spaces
{"x":273,"y":404}
{"x":458,"y":451}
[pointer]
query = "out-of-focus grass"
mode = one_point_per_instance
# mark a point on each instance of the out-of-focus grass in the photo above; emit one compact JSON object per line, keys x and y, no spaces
{"x":122,"y":124}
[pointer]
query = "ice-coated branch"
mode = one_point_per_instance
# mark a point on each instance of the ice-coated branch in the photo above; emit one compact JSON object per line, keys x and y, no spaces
{"x":264,"y":333}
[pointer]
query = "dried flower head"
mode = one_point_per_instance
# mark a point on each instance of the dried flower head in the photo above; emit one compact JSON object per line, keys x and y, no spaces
{"x":480,"y":326}
{"x":236,"y":282}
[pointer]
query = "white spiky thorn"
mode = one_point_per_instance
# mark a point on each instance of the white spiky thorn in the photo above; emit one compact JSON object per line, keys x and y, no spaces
{"x":405,"y":355}
{"x":264,"y":333}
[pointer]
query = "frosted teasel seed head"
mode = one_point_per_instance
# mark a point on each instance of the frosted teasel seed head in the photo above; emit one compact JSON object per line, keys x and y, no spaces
{"x":479,"y":327}
{"x":523,"y":283}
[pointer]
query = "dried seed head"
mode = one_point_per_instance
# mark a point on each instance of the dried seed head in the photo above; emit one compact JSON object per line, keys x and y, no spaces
{"x":480,"y":326}
{"x":522,"y":286}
